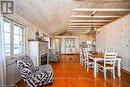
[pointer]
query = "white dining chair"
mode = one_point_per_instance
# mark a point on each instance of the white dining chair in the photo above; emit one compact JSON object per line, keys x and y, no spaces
{"x":109,"y":62}
{"x":87,"y":61}
{"x":101,"y":50}
{"x":81,"y":57}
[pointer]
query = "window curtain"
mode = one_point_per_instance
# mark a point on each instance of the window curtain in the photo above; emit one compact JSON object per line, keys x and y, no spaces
{"x":2,"y":57}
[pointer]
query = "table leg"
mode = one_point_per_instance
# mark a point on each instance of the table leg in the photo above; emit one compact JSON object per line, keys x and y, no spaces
{"x":119,"y":68}
{"x":95,"y":67}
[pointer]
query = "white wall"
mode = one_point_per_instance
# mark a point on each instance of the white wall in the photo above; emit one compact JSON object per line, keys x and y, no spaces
{"x":116,"y":35}
{"x":85,"y":38}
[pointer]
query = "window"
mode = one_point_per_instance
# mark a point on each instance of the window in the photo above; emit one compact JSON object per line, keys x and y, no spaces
{"x":14,"y":38}
{"x":18,"y":39}
{"x":7,"y":35}
{"x":89,"y":42}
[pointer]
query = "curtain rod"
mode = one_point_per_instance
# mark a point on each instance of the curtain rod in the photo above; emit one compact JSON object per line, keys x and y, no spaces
{"x":14,"y":21}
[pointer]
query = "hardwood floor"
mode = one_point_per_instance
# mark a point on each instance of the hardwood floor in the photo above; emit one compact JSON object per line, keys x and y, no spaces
{"x":69,"y":73}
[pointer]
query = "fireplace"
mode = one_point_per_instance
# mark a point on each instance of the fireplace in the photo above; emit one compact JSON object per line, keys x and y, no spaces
{"x":44,"y":59}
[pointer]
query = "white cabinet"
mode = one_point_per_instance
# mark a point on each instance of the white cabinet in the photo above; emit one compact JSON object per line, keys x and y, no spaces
{"x":70,"y":45}
{"x":36,"y":50}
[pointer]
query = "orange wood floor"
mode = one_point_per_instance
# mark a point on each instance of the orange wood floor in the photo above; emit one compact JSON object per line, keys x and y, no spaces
{"x":69,"y":73}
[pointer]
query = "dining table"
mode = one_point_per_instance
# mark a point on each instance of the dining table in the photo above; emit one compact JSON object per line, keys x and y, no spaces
{"x":100,"y":57}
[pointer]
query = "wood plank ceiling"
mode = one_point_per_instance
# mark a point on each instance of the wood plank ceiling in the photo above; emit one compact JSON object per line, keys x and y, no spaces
{"x":59,"y":16}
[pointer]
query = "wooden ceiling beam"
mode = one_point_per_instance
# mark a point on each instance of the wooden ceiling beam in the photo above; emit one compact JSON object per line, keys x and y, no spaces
{"x":85,"y":16}
{"x":78,"y":31}
{"x":79,"y":28}
{"x":85,"y":26}
{"x":90,"y":20}
{"x":100,"y":9}
{"x":90,"y":24}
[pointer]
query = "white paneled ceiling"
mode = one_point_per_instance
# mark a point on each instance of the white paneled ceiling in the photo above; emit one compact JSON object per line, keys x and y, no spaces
{"x":54,"y":16}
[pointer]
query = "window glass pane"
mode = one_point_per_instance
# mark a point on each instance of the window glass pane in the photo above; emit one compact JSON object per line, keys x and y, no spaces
{"x":6,"y":26}
{"x":21,"y":40}
{"x":21,"y":50}
{"x":16,"y":29}
{"x":89,"y":42}
{"x":16,"y":39}
{"x":7,"y":38}
{"x":21,"y":31}
{"x":7,"y":50}
{"x":16,"y":49}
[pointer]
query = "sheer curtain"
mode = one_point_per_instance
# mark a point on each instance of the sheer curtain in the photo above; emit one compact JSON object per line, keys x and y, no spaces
{"x":2,"y":57}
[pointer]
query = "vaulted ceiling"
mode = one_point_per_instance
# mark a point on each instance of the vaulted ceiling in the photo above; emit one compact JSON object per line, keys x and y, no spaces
{"x":58,"y":16}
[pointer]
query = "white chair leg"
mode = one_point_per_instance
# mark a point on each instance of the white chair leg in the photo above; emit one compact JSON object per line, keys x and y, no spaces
{"x":113,"y":71}
{"x":81,"y":62}
{"x":104,"y":73}
{"x":97,"y":68}
{"x":87,"y":67}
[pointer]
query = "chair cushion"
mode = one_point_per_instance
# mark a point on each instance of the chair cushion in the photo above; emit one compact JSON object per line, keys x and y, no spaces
{"x":47,"y":69}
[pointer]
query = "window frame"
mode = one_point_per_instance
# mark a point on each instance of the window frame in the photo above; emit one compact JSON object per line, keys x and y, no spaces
{"x":12,"y":23}
{"x":6,"y":20}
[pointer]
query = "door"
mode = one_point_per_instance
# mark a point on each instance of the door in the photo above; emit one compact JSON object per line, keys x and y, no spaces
{"x":58,"y":45}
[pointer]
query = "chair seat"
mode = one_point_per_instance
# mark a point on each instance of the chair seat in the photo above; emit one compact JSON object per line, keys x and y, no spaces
{"x":101,"y":64}
{"x":90,"y":60}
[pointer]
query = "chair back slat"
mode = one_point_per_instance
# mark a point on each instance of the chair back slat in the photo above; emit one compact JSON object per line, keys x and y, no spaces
{"x":85,"y":53}
{"x":110,"y":56}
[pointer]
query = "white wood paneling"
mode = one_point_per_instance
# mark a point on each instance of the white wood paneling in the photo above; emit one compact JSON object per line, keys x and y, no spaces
{"x":53,"y":15}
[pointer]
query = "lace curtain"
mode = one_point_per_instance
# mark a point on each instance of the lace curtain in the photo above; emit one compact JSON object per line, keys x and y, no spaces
{"x":2,"y":57}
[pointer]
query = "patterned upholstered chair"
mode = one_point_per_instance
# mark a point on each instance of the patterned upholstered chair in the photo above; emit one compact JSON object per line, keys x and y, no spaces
{"x":53,"y":55}
{"x":34,"y":76}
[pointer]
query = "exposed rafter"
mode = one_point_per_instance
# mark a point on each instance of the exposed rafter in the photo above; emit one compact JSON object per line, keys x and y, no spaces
{"x":80,"y":24}
{"x":90,"y":21}
{"x":84,"y":23}
{"x":85,"y":16}
{"x":78,"y":31}
{"x":85,"y":26}
{"x":79,"y":28}
{"x":100,"y":9}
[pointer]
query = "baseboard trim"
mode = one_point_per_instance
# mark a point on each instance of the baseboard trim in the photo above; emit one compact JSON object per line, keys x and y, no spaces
{"x":123,"y":70}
